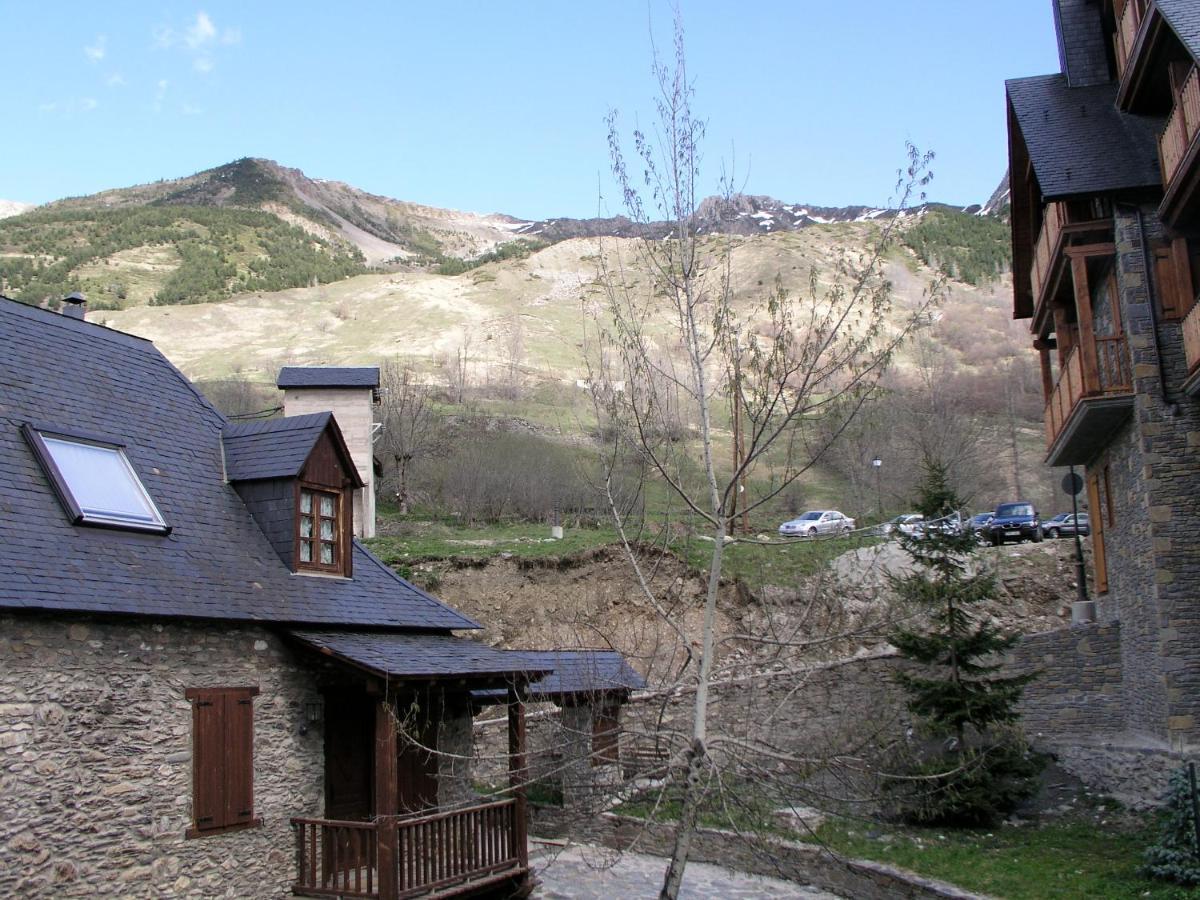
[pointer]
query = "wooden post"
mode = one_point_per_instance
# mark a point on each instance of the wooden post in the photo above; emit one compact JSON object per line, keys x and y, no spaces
{"x":1047,"y":375}
{"x":516,"y":769}
{"x":386,"y":802}
{"x":1087,"y":335}
{"x":1063,"y":335}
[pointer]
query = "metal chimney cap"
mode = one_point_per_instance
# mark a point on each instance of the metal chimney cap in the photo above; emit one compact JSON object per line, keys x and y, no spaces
{"x":74,"y":305}
{"x":74,"y":297}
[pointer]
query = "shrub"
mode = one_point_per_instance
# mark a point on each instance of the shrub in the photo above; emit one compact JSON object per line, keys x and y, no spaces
{"x":1176,"y":856}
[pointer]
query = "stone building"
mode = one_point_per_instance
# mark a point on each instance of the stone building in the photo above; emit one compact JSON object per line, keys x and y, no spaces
{"x":208,"y":686}
{"x":1105,"y":175}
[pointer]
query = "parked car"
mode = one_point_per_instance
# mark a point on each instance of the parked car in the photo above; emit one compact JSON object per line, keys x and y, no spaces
{"x":905,"y":524}
{"x":818,"y":521}
{"x":1067,"y":523}
{"x":1014,"y":522}
{"x":979,"y":523}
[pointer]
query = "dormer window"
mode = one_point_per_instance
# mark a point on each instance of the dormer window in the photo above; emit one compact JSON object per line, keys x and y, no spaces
{"x":319,"y":530}
{"x":94,"y":481}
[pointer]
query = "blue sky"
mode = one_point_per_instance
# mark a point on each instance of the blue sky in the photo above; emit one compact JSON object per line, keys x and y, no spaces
{"x":499,"y":106}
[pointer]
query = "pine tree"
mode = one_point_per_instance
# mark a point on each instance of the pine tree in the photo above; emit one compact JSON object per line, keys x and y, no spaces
{"x":972,"y":766}
{"x":1176,"y":856}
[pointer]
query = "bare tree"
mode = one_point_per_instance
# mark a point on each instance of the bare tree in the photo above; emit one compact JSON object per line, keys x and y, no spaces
{"x":456,"y":366}
{"x":411,"y":429}
{"x":799,"y":356}
{"x":514,"y":347}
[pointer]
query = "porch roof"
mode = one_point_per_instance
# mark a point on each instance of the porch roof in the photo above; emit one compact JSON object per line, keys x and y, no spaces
{"x":574,"y":673}
{"x":420,"y":656}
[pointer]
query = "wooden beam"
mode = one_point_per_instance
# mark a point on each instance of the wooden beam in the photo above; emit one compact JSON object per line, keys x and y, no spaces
{"x":1078,"y":251}
{"x":517,"y":774}
{"x":386,"y":803}
{"x":1063,"y":335}
{"x":1047,"y":375}
{"x":1087,"y":334}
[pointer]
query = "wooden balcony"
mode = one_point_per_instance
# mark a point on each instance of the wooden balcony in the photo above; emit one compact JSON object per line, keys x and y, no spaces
{"x":1129,"y":14}
{"x":446,"y":854}
{"x":1182,"y":126}
{"x":1093,"y":394}
{"x":1059,"y":227}
{"x":1191,"y":350}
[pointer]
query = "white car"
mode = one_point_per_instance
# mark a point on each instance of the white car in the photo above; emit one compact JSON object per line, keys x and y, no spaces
{"x":817,"y":521}
{"x":909,"y":524}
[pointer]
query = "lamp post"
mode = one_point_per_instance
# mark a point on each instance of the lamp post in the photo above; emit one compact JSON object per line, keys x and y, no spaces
{"x":877,"y":465}
{"x":1083,"y":610}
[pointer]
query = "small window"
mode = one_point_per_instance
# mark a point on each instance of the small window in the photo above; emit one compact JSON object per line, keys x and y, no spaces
{"x":319,"y":530}
{"x":95,"y":481}
{"x":222,"y":759}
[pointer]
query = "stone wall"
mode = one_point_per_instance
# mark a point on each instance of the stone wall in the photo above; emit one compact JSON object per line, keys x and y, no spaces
{"x":455,"y":743}
{"x":95,"y":758}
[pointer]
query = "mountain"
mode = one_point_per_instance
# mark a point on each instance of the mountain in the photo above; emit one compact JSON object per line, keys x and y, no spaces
{"x":13,"y":208}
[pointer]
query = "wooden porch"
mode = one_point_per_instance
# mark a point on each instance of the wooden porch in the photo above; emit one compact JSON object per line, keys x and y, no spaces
{"x":1179,"y":151}
{"x":445,"y":854}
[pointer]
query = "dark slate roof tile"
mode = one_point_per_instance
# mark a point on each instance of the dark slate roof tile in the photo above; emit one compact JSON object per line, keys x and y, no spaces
{"x":1079,"y":142}
{"x":272,"y":448}
{"x":575,"y":672}
{"x":1184,"y":18}
{"x":328,"y":376}
{"x":418,"y":655}
{"x":216,"y":563}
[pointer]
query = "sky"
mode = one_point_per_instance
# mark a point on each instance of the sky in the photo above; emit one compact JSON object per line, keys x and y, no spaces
{"x":499,"y":106}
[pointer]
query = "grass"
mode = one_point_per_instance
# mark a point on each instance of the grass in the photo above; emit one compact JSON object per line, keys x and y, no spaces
{"x":1067,"y":860}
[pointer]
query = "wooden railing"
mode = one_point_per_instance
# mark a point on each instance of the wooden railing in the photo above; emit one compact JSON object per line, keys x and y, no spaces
{"x":1191,"y":338}
{"x":1112,"y":376}
{"x":435,"y":852}
{"x":335,"y":859}
{"x":1182,"y":125}
{"x":1129,"y":19}
{"x":1046,"y":247}
{"x":444,"y":849}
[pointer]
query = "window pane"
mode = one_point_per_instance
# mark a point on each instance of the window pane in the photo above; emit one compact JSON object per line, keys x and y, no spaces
{"x":327,"y":529}
{"x":306,"y":526}
{"x":305,"y":502}
{"x":327,"y":554}
{"x":102,"y":481}
{"x":326,"y":505}
{"x":305,"y":551}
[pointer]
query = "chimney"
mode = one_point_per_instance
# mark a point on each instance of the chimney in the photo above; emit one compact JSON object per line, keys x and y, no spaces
{"x":350,"y":393}
{"x":74,"y":305}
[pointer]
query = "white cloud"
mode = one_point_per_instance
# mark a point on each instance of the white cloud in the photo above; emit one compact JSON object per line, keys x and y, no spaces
{"x":231,"y":36}
{"x":188,"y":110}
{"x":203,"y":64}
{"x":87,"y":104}
{"x":160,"y":94}
{"x":96,"y":50}
{"x":201,"y":31}
{"x":116,"y":79}
{"x":47,"y":107}
{"x":164,"y":36}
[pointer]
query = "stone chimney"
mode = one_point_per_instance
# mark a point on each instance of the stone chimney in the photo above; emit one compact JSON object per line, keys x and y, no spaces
{"x":350,"y":394}
{"x":74,"y":305}
{"x":1083,"y":50}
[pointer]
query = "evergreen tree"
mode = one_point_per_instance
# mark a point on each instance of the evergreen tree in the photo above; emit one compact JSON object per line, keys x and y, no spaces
{"x":971,"y":766}
{"x":1176,"y":856}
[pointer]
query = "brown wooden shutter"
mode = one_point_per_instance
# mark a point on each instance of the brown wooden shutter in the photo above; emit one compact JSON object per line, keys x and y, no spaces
{"x":239,"y":758}
{"x":1096,"y":519}
{"x":222,"y":758}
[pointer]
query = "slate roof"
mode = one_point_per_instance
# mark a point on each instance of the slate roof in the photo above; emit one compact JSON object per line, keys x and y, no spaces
{"x":77,"y":376}
{"x":575,"y":672}
{"x":420,"y":656}
{"x":274,"y":448}
{"x":328,"y":376}
{"x":1184,"y":18}
{"x":1079,"y":142}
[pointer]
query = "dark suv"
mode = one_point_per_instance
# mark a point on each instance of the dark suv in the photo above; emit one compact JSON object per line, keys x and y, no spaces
{"x":1014,"y":522}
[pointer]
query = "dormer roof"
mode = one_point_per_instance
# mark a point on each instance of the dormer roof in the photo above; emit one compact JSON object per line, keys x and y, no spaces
{"x":1184,"y":18}
{"x":328,"y":377}
{"x":279,"y":448}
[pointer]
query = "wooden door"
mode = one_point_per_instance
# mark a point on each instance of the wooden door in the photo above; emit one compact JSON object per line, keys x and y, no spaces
{"x":349,"y":757}
{"x":417,"y":767}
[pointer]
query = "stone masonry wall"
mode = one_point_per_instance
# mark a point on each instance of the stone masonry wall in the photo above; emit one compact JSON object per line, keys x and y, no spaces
{"x":95,"y":759}
{"x":455,"y":742}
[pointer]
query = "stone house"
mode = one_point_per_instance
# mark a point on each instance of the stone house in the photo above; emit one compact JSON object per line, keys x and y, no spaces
{"x":208,"y":686}
{"x":1104,"y":166}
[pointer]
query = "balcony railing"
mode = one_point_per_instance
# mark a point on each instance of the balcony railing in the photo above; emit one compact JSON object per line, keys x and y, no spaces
{"x":436,"y":853}
{"x":1046,"y":247}
{"x":1191,"y":339}
{"x":1129,"y":19}
{"x":1076,"y":383}
{"x":1182,"y":126}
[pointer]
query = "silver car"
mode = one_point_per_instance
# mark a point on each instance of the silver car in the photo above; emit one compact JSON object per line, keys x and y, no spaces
{"x":817,"y":521}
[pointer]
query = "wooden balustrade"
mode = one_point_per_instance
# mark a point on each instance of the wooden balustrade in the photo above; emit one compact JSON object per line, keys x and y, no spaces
{"x":444,"y":849}
{"x":335,"y":859}
{"x":1112,"y":376}
{"x":1182,"y":125}
{"x":435,"y":852}
{"x":1191,"y":339}
{"x":1046,"y":247}
{"x":1129,"y":15}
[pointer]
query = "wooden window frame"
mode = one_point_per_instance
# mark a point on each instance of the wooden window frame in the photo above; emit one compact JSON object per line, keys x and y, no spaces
{"x":338,"y":566}
{"x":225,"y":819}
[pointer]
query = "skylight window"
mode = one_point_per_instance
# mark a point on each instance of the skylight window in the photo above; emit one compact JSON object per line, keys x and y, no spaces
{"x":95,"y":482}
